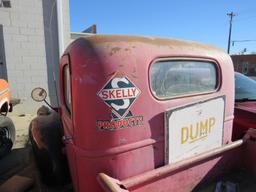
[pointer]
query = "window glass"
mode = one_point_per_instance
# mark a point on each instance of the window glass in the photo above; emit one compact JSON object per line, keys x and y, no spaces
{"x":175,"y":78}
{"x":5,"y":3}
{"x":67,"y":87}
{"x":245,"y":88}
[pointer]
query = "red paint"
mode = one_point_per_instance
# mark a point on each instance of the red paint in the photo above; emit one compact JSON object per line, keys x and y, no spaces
{"x":245,"y":118}
{"x":124,"y":153}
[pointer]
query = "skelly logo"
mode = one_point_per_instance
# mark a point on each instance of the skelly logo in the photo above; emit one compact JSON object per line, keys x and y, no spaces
{"x":119,"y":93}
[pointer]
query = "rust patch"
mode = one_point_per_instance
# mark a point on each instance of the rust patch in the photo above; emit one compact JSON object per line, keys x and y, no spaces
{"x":99,"y":39}
{"x":36,"y":135}
{"x":120,"y":74}
{"x":114,"y":50}
{"x":117,"y":74}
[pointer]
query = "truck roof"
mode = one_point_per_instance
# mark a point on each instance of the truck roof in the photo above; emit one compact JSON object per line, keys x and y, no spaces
{"x":144,"y":39}
{"x":151,"y":40}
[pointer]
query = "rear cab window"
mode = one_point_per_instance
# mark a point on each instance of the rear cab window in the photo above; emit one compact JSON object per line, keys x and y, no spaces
{"x":176,"y":78}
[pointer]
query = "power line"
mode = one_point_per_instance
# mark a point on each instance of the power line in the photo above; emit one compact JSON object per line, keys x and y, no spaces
{"x":242,"y":41}
{"x":231,"y":15}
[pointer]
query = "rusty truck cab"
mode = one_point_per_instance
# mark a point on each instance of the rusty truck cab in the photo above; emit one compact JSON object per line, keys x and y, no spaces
{"x":134,"y":104}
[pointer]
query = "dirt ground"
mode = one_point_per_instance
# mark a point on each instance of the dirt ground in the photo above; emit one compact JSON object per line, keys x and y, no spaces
{"x":21,"y":123}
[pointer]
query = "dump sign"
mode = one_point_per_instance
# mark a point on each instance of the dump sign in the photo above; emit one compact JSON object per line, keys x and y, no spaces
{"x":194,"y":129}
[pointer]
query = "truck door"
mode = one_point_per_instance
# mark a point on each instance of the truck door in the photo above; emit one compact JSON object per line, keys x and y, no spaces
{"x":66,"y":100}
{"x":66,"y":114}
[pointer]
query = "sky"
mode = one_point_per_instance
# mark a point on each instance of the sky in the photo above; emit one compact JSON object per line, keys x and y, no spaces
{"x":203,"y":21}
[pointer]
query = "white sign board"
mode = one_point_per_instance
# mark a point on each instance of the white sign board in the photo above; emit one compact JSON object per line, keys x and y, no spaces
{"x":194,"y":129}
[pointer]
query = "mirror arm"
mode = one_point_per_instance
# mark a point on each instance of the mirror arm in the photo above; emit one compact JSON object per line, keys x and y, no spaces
{"x":49,"y":104}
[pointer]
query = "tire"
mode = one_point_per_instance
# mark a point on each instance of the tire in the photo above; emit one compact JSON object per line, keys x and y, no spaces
{"x":51,"y":162}
{"x":7,"y":135}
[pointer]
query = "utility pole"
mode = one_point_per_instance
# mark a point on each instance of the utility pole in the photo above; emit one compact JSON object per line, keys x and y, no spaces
{"x":231,"y":15}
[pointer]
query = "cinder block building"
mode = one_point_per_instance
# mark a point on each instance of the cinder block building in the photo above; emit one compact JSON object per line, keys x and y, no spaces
{"x":33,"y":34}
{"x":245,"y":64}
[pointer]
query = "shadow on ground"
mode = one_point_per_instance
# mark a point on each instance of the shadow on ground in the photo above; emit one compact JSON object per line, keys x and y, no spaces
{"x":18,"y":170}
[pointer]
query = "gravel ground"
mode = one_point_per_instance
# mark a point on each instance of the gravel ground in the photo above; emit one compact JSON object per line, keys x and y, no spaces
{"x":21,"y":123}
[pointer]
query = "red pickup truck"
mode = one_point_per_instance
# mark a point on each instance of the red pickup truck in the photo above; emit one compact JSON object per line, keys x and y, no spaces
{"x":141,"y":114}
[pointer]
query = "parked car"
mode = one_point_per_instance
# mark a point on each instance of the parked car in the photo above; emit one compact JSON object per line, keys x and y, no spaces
{"x":245,"y":105}
{"x":7,"y":129}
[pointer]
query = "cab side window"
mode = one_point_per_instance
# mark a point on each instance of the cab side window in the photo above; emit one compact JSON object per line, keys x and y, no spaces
{"x":67,"y":88}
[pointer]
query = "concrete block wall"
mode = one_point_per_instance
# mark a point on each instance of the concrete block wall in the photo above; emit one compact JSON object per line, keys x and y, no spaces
{"x":25,"y":56}
{"x":29,"y":41}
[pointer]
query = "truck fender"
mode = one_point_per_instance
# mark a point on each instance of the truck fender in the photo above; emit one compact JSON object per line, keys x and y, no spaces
{"x":45,"y":129}
{"x":45,"y":134}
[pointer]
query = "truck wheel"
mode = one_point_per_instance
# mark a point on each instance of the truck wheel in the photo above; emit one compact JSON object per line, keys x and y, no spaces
{"x":7,"y":135}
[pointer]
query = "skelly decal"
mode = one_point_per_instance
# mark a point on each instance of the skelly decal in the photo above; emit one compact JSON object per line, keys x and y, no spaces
{"x":119,"y":93}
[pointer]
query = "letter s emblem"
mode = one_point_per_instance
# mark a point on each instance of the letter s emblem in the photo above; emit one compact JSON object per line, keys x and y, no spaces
{"x":114,"y":84}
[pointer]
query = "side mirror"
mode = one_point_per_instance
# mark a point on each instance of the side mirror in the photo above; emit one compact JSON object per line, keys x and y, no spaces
{"x":38,"y":94}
